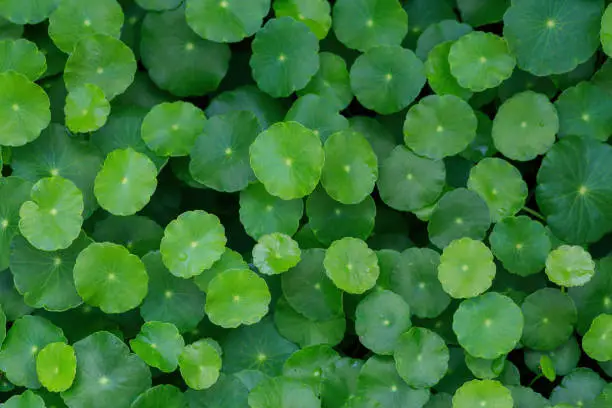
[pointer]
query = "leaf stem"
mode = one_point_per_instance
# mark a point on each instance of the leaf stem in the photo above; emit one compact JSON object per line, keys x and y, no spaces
{"x":534,"y":213}
{"x":534,"y":380}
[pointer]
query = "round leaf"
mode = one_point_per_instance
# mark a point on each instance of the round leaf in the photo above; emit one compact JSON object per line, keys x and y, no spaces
{"x":386,"y":79}
{"x":288,"y":159}
{"x":480,"y":61}
{"x":525,"y":126}
{"x":126,"y":182}
{"x":351,"y":265}
{"x":107,"y":373}
{"x":235,"y":297}
{"x":171,"y":128}
{"x":15,"y":192}
{"x":351,"y":167}
{"x":28,"y":11}
{"x":483,"y":393}
{"x":24,"y":109}
{"x":466,"y":268}
{"x":332,"y":81}
{"x":569,"y":266}
{"x":192,"y":243}
{"x":159,"y":345}
{"x":283,"y":392}
{"x":226,"y":21}
{"x":275,"y":253}
{"x":52,"y":220}
{"x":220,"y":156}
{"x":440,"y":126}
{"x":103,"y":61}
{"x":22,"y":56}
{"x":200,"y":364}
{"x":285,"y":56}
{"x":488,"y":326}
{"x":421,"y":358}
{"x":86,"y":109}
{"x":363,"y":24}
{"x":584,"y":110}
{"x":596,"y":341}
{"x":109,"y":277}
{"x":56,"y":366}
{"x":160,"y":396}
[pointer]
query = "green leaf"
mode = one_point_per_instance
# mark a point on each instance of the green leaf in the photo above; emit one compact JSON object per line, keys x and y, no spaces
{"x":317,"y":114}
{"x":548,"y":368}
{"x":288,"y":167}
{"x":235,"y":297}
{"x":55,"y":153}
{"x":103,"y":61}
{"x":525,"y":126}
{"x":169,"y":298}
{"x":332,"y":81}
{"x":331,"y":220}
{"x":439,"y":76}
{"x":521,"y":244}
{"x":351,"y":167}
{"x":26,"y":400}
{"x":579,"y":387}
{"x":480,"y":61}
{"x":409,"y":182}
{"x":379,"y":381}
{"x":574,"y":190}
{"x":74,"y":20}
{"x":438,"y":33}
{"x":351,"y":265}
{"x":569,"y":266}
{"x":283,"y":392}
{"x":45,"y":278}
{"x":226,"y":21}
{"x":28,"y":11}
{"x":192,"y":243}
{"x":380,"y":138}
{"x":107,"y":373}
{"x":501,"y":185}
{"x":26,"y":337}
{"x":309,"y":291}
{"x":488,"y":326}
{"x":160,"y":396}
{"x":584,"y":110}
{"x":56,"y":366}
{"x":24,"y":109}
{"x":596,"y":341}
{"x":364,"y":24}
{"x":380,"y":319}
{"x":159,"y":345}
{"x":541,"y":33}
{"x":440,"y":126}
{"x":478,"y":392}
{"x":285,"y":56}
{"x":315,"y":14}
{"x":482,"y":12}
{"x":200,"y":364}
{"x":248,"y":98}
{"x":229,"y":260}
{"x":53,"y":219}
{"x":171,"y":128}
{"x":550,"y":316}
{"x":564,"y":358}
{"x":305,"y":332}
{"x":109,"y":277}
{"x":606,"y":31}
{"x":22,"y":56}
{"x":220,"y":155}
{"x":86,"y":109}
{"x":421,"y":358}
{"x":15,"y":192}
{"x":126,"y":182}
{"x":483,"y":368}
{"x":415,"y":278}
{"x":388,"y":78}
{"x":183,"y":64}
{"x":256,"y":347}
{"x":308,"y":364}
{"x":466,"y":268}
{"x":137,"y":233}
{"x":459,"y":213}
{"x":275,"y":253}
{"x":262,"y":213}
{"x":227,"y":391}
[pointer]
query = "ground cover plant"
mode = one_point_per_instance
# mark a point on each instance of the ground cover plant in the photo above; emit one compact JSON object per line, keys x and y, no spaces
{"x":305,"y":203}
